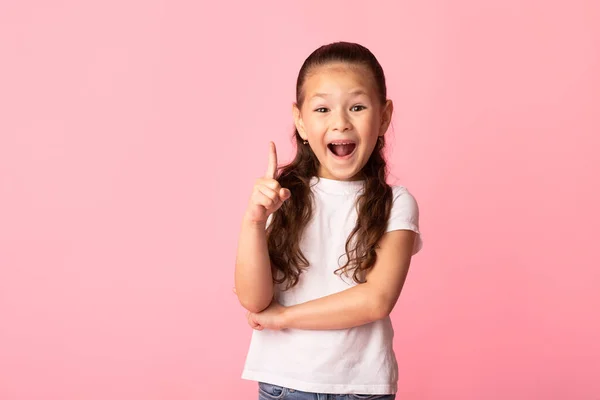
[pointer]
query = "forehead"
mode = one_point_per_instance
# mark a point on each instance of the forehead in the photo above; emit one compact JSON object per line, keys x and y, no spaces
{"x":338,"y":78}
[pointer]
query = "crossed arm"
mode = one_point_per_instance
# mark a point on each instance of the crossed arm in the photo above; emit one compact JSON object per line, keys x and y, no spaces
{"x":361,"y":304}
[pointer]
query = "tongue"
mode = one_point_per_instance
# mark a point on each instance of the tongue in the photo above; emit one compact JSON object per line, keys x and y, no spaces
{"x":342,"y":150}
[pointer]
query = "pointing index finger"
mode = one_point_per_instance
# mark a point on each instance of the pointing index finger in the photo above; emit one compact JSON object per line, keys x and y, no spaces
{"x":272,"y":168}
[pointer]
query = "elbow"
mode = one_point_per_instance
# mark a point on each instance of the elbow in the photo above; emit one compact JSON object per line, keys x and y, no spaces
{"x":381,"y":308}
{"x":253,"y":305}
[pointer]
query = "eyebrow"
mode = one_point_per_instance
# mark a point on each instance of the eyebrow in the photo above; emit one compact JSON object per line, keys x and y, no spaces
{"x":354,"y":92}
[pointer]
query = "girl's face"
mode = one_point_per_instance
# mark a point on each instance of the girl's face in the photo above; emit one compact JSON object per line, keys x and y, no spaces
{"x":342,"y":118}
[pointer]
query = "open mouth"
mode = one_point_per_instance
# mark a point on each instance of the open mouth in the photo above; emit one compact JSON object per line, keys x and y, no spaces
{"x":342,"y":148}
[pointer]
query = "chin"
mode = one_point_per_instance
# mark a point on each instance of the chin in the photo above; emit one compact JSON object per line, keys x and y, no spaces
{"x":341,"y":176}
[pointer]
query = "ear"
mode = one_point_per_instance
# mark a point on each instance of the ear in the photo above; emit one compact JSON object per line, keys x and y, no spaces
{"x":386,"y":117}
{"x":298,"y":121}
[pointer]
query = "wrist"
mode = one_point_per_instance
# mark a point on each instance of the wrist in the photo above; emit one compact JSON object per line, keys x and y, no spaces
{"x":284,"y":317}
{"x":249,"y":221}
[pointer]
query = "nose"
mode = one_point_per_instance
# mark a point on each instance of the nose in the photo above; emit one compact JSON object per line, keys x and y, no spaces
{"x":341,"y":122}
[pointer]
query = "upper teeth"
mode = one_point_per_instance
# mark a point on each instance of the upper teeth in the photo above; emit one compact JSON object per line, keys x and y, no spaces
{"x":339,"y":143}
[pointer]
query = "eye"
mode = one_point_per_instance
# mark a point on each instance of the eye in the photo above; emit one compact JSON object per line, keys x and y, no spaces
{"x":321,"y":108}
{"x":361,"y":108}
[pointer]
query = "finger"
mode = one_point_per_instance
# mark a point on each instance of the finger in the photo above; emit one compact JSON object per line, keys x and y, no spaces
{"x":267,"y":197}
{"x":268,"y":182}
{"x":277,"y":195}
{"x":253,"y":324}
{"x":272,"y":167}
{"x":273,"y":194}
{"x":284,"y":194}
{"x":256,"y":325}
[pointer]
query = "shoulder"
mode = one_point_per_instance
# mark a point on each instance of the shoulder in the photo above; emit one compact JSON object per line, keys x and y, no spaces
{"x":404,"y":214}
{"x":404,"y":199}
{"x":399,"y":189}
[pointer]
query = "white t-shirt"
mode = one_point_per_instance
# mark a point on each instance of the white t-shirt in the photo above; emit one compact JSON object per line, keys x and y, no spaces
{"x":358,"y":360}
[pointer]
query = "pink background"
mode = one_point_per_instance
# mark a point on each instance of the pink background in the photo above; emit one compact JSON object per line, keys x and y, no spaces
{"x":131,"y":133}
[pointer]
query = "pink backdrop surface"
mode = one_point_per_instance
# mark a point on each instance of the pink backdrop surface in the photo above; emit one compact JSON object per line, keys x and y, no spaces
{"x":130,"y":136}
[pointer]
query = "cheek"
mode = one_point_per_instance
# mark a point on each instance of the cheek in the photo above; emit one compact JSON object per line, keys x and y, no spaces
{"x":370,"y":127}
{"x":315,"y":128}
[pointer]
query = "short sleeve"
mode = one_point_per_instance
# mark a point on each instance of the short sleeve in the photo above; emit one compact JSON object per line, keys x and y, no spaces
{"x":405,"y":215}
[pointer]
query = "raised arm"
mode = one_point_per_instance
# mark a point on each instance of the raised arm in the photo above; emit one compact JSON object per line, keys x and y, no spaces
{"x":253,"y":278}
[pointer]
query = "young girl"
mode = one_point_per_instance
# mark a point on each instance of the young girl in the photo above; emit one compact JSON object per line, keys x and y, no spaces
{"x":326,"y":243}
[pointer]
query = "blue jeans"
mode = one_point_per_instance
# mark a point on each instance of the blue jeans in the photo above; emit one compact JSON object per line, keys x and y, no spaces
{"x":266,"y":391}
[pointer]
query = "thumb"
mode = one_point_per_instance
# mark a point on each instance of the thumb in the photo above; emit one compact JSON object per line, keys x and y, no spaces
{"x":284,"y":194}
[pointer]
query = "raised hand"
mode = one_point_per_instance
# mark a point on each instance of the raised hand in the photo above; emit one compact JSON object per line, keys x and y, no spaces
{"x":267,"y":195}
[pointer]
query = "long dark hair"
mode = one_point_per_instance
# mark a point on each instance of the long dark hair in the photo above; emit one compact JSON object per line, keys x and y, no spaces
{"x":374,"y":204}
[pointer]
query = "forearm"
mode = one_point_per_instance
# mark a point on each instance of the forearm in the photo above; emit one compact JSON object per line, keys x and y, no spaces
{"x":356,"y":306}
{"x":253,"y":278}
